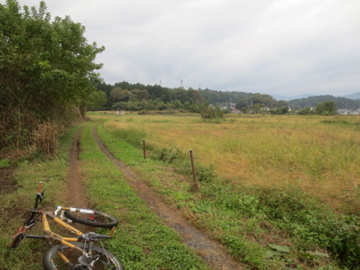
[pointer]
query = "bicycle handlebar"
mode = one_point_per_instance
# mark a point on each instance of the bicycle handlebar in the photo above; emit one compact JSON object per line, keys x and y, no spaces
{"x":39,"y":187}
{"x":39,"y":195}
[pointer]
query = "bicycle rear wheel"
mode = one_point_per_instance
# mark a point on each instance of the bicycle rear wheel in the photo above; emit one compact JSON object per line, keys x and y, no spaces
{"x":91,"y":217}
{"x":53,"y":260}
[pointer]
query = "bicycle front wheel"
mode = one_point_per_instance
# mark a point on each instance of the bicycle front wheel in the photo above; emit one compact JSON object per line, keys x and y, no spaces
{"x":61,"y":257}
{"x":91,"y":217}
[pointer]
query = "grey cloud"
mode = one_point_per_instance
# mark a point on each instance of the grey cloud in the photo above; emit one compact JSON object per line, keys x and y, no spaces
{"x":272,"y":46}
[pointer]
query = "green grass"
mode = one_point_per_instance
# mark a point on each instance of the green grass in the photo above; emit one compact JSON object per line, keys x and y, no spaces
{"x":15,"y":204}
{"x":141,"y":241}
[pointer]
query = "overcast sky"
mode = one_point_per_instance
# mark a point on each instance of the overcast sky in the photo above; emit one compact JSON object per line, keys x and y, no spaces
{"x":276,"y":47}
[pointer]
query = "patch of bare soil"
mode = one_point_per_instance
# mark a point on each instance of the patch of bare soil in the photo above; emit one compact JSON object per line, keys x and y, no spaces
{"x":75,"y":188}
{"x":75,"y":195}
{"x":211,"y":251}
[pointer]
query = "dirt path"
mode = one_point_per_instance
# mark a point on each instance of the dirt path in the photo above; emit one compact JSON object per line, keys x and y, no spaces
{"x":75,"y":195}
{"x":211,"y":251}
{"x":75,"y":188}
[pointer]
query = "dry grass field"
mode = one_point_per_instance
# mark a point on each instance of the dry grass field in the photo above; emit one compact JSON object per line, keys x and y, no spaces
{"x":319,"y":155}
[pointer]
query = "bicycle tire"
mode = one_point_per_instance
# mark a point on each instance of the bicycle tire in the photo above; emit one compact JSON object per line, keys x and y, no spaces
{"x":53,"y":261}
{"x":91,"y":217}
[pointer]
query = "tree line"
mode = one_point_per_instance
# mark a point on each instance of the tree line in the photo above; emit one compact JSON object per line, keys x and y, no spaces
{"x":47,"y":73}
{"x":137,"y":97}
{"x":140,"y":97}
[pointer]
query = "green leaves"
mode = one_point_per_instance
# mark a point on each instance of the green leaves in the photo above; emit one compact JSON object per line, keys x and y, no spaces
{"x":45,"y":66}
{"x":279,"y":248}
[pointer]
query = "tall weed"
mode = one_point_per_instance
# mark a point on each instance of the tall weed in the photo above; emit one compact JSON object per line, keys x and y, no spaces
{"x":132,"y":136}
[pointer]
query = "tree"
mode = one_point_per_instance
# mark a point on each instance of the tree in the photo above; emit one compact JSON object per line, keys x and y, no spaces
{"x":280,"y":110}
{"x":158,"y":92}
{"x":265,"y":100}
{"x":242,"y":104}
{"x":140,"y":94}
{"x":118,"y":95}
{"x":326,"y":108}
{"x":96,"y":100}
{"x":46,"y":68}
{"x":282,"y":103}
{"x":194,"y":96}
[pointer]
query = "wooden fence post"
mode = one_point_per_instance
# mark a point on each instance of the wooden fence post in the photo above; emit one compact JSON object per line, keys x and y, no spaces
{"x":144,"y":148}
{"x":195,"y":186}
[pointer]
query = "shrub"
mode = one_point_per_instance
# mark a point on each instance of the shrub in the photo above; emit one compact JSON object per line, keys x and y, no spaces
{"x":207,"y":111}
{"x":313,"y":224}
{"x":205,"y":174}
{"x":167,"y":155}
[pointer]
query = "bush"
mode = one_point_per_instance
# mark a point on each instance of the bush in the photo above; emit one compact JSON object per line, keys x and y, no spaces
{"x":306,"y":111}
{"x":209,"y":112}
{"x":326,"y":108}
{"x":167,"y":155}
{"x":281,"y":110}
{"x":205,"y":174}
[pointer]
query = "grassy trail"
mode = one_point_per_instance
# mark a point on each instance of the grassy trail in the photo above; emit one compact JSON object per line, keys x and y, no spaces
{"x":141,"y":241}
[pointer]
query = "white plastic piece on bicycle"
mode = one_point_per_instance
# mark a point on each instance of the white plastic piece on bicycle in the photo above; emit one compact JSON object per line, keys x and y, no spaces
{"x":80,"y":210}
{"x":58,"y":208}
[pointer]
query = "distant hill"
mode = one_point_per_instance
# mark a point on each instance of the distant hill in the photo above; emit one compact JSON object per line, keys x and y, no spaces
{"x":288,"y":98}
{"x":341,"y":102}
{"x":353,"y":96}
{"x":278,"y":97}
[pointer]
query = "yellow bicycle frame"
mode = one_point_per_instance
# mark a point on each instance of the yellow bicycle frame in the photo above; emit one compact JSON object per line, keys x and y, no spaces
{"x":50,"y":234}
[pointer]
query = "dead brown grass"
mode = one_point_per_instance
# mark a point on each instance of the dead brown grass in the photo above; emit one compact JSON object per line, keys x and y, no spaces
{"x":316,"y":154}
{"x":45,"y":138}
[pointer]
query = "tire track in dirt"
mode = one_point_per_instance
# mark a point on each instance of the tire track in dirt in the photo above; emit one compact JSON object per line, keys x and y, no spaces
{"x":75,"y":187}
{"x":75,"y":191}
{"x":211,"y":251}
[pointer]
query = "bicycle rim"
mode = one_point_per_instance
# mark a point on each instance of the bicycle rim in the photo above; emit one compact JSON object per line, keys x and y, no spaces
{"x":96,"y":218}
{"x":53,"y":261}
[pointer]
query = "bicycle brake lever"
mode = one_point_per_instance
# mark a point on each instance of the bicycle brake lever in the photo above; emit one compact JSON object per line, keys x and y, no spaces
{"x":90,"y":236}
{"x":41,"y":195}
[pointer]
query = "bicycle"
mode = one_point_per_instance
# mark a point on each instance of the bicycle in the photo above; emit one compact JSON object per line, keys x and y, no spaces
{"x":72,"y":253}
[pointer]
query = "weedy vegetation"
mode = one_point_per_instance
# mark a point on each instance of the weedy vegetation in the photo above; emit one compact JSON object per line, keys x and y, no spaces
{"x":18,"y":199}
{"x":277,"y":191}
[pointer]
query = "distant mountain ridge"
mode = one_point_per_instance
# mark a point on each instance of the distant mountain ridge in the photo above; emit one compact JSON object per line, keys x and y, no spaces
{"x":312,"y":101}
{"x":278,"y":97}
{"x":353,"y":96}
